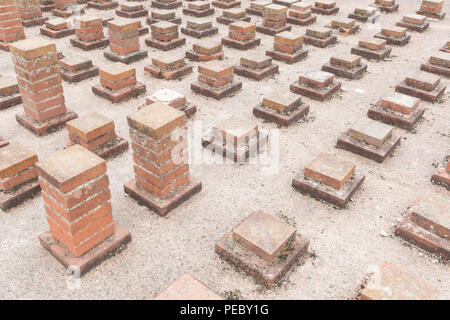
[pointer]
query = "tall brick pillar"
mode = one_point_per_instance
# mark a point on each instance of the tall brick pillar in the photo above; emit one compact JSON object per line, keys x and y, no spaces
{"x":11,"y":28}
{"x":162,"y":180}
{"x":77,"y":200}
{"x":37,"y":69}
{"x":30,"y":12}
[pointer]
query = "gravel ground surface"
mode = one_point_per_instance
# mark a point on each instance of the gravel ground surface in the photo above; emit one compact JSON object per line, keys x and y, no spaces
{"x":344,"y":243}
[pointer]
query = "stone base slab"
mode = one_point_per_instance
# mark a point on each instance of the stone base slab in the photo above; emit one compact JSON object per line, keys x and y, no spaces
{"x":94,"y":256}
{"x":265,"y":273}
{"x":281,"y":119}
{"x":87,"y":46}
{"x":80,"y":75}
{"x":410,"y":26}
{"x":119,"y":95}
{"x":10,"y":199}
{"x":198,"y":13}
{"x":165,"y":45}
{"x":163,"y":206}
{"x":41,"y":128}
{"x":346,"y":142}
{"x":200,"y":33}
{"x":431,"y":96}
{"x":256,"y":74}
{"x":131,"y":15}
{"x":191,"y":55}
{"x":354,"y":73}
{"x":372,"y":54}
{"x":227,"y":21}
{"x":216,"y":93}
{"x":272,"y":31}
{"x":390,"y":117}
{"x":10,"y":101}
{"x":241,"y":45}
{"x":56,"y":34}
{"x":302,"y":22}
{"x":313,"y":93}
{"x":321,"y":43}
{"x":127,"y":59}
{"x":320,"y":191}
{"x":286,"y":57}
{"x":394,"y":41}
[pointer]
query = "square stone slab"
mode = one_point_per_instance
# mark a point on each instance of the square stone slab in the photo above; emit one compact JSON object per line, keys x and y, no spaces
{"x":400,"y":102}
{"x":282,"y":102}
{"x":256,"y":61}
{"x":346,"y":60}
{"x":372,"y":43}
{"x":167,"y":96}
{"x":8,"y":85}
{"x":32,"y":48}
{"x":157,"y":120}
{"x":117,"y":71}
{"x":214,"y":69}
{"x":90,"y":126}
{"x":370,"y":131}
{"x":15,"y":158}
{"x":264,"y":234}
{"x":207,"y":47}
{"x":317,"y":79}
{"x":187,"y":287}
{"x":259,"y":4}
{"x":441,"y":59}
{"x":389,"y":282}
{"x":69,"y":168}
{"x":433,"y":214}
{"x":330,"y":170}
{"x":423,"y":81}
{"x":236,"y":129}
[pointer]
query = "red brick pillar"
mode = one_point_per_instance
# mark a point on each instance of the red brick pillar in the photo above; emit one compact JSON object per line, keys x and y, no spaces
{"x":159,"y":142}
{"x":77,"y":200}
{"x":89,"y":33}
{"x":11,"y":28}
{"x":37,"y":69}
{"x":30,"y":12}
{"x":64,"y":8}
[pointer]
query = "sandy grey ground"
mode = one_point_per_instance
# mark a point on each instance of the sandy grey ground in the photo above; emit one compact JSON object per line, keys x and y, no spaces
{"x":344,"y":243}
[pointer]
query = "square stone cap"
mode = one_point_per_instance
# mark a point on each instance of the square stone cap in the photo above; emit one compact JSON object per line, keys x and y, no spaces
{"x":117,"y":71}
{"x":389,"y":282}
{"x":90,"y":126}
{"x":215,"y":69}
{"x":32,"y":48}
{"x":235,"y":10}
{"x":74,"y":60}
{"x":318,"y":29}
{"x":347,"y":57}
{"x":7,"y":82}
{"x":434,"y":2}
{"x":187,"y":287}
{"x":434,"y":209}
{"x":264,"y":234}
{"x":15,"y":158}
{"x":157,"y":120}
{"x":57,"y":21}
{"x":281,"y":101}
{"x":164,"y":24}
{"x":331,"y":166}
{"x":273,"y":7}
{"x":255,"y":58}
{"x":166,"y":96}
{"x":318,"y":76}
{"x":292,"y":36}
{"x":300,"y":6}
{"x":87,"y":21}
{"x":402,"y":99}
{"x":236,"y":128}
{"x":208,"y":43}
{"x":71,"y":167}
{"x":415,"y":16}
{"x":425,"y":77}
{"x":375,"y":41}
{"x":374,"y":132}
{"x":123,"y":24}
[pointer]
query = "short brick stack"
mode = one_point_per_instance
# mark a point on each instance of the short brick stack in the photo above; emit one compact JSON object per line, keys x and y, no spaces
{"x":163,"y":15}
{"x":288,"y":47}
{"x":301,"y":14}
{"x":325,"y":7}
{"x":257,"y":7}
{"x":198,"y":9}
{"x":274,"y":20}
{"x":345,"y":25}
{"x":165,"y":36}
{"x":160,"y":152}
{"x":57,"y":28}
{"x":167,"y":67}
{"x":124,"y":41}
{"x":233,"y":15}
{"x":47,"y":5}
{"x":241,"y":35}
{"x":319,"y":37}
{"x":173,"y":99}
{"x":30,"y":13}
{"x":422,"y":85}
{"x":281,"y":108}
{"x":432,"y":9}
{"x":256,"y":67}
{"x":397,"y":109}
{"x":89,"y":33}
{"x":96,"y":133}
{"x":215,"y":80}
{"x":102,"y":4}
{"x":368,"y":14}
{"x":205,"y":50}
{"x":11,"y":28}
{"x":18,"y":175}
{"x":372,"y":48}
{"x":386,"y":6}
{"x":132,"y":10}
{"x":166,"y":4}
{"x":77,"y":200}
{"x":346,"y":65}
{"x":65,"y":8}
{"x":118,"y":83}
{"x":330,"y":179}
{"x":414,"y":22}
{"x":9,"y":92}
{"x":77,"y":68}
{"x":199,"y":28}
{"x":317,"y":85}
{"x":226,"y":4}
{"x":439,"y":63}
{"x":394,"y":35}
{"x":37,"y":69}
